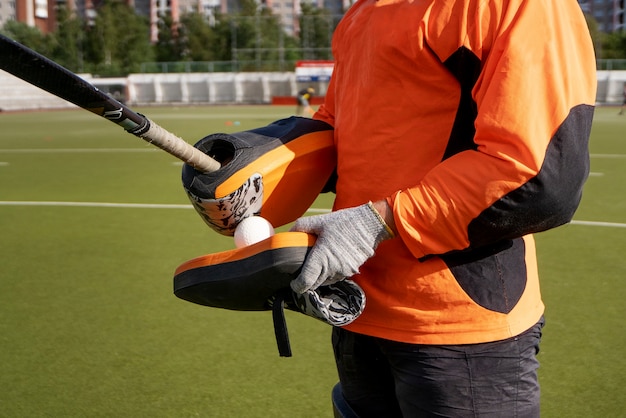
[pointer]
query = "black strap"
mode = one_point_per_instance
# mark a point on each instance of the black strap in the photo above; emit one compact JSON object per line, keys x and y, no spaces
{"x":280,"y":324}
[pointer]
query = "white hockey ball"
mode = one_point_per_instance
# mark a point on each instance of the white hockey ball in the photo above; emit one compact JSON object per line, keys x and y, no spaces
{"x":252,"y":230}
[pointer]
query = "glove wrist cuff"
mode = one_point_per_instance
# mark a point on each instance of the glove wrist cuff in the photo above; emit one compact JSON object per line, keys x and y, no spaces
{"x":389,"y":231}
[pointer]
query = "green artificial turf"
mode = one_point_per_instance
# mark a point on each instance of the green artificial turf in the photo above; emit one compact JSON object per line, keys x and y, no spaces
{"x":89,"y":326}
{"x":582,"y":270}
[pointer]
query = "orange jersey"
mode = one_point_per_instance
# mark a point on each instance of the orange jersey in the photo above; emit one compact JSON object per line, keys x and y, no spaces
{"x":472,"y":119}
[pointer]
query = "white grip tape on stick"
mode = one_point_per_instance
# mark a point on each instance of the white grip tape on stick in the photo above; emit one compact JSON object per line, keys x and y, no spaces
{"x":180,"y":149}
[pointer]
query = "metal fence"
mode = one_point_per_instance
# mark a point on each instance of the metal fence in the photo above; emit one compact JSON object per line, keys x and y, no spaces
{"x":280,"y":65}
{"x":217,"y":66}
{"x":610,"y":65}
{"x":248,"y":60}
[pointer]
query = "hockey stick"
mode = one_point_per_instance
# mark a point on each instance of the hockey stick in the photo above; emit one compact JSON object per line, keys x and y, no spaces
{"x":46,"y":74}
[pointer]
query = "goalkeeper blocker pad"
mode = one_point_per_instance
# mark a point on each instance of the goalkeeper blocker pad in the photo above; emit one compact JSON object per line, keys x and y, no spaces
{"x":243,"y":279}
{"x":257,"y":277}
{"x":276,"y":172}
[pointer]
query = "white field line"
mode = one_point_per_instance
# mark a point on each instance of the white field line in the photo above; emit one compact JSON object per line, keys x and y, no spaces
{"x":593,"y":223}
{"x":607,"y":155}
{"x":83,"y":150}
{"x":223,"y":116}
{"x":113,"y":205}
{"x":175,"y":206}
{"x":73,"y":150}
{"x":95,"y":204}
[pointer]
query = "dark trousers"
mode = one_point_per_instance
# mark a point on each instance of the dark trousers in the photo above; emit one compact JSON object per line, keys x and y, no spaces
{"x":382,"y":378}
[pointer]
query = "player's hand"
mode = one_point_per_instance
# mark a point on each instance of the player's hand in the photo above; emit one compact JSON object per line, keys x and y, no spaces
{"x":345,"y":240}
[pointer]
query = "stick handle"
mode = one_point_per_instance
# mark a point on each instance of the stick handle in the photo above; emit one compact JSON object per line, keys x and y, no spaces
{"x":176,"y":146}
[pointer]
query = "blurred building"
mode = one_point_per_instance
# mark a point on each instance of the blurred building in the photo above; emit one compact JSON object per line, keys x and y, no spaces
{"x":608,"y":13}
{"x":35,"y":13}
{"x":290,"y":10}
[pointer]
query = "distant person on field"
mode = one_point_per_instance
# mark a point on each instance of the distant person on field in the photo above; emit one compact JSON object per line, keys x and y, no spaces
{"x":304,"y":96}
{"x":621,"y":110}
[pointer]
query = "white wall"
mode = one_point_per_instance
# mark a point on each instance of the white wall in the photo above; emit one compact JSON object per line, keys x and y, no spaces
{"x":151,"y":89}
{"x":210,"y":88}
{"x":611,"y":86}
{"x":16,"y":94}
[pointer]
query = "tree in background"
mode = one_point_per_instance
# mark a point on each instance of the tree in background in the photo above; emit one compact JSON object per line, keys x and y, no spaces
{"x":225,"y":37}
{"x":66,"y":43}
{"x":118,"y":42}
{"x":316,"y":29}
{"x":252,"y":38}
{"x":197,"y":37}
{"x":169,"y":46}
{"x":614,"y":45}
{"x":27,"y":35}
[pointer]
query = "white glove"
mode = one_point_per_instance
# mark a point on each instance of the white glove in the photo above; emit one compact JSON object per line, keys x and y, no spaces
{"x":345,"y":240}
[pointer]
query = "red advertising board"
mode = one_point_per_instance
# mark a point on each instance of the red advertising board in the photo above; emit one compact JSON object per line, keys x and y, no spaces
{"x":318,"y":70}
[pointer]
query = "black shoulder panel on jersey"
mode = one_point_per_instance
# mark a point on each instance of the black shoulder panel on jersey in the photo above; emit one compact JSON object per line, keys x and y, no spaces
{"x":550,"y":198}
{"x":465,"y":66}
